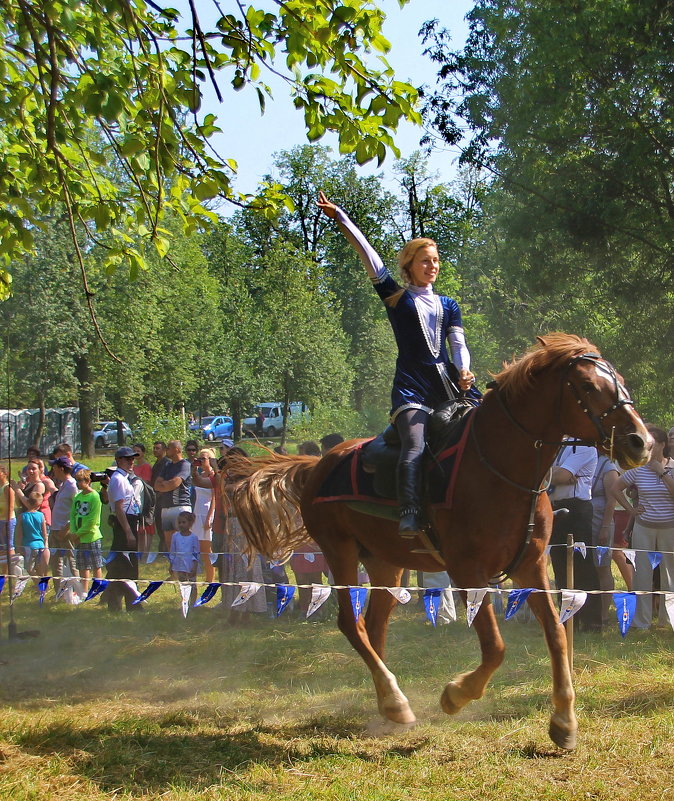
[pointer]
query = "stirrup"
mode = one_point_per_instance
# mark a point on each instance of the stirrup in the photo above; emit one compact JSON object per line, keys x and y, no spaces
{"x":409,"y":527}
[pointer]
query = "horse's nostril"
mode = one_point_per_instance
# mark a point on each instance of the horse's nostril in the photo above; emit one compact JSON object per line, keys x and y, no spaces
{"x":636,"y":441}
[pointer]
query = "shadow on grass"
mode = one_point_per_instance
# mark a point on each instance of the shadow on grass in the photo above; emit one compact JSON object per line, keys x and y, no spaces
{"x":640,"y":702}
{"x":144,"y":755}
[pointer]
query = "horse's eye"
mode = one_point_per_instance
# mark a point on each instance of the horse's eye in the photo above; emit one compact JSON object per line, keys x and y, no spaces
{"x":588,"y":386}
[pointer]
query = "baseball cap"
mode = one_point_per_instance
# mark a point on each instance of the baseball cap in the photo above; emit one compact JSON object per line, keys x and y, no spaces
{"x":228,"y":443}
{"x":62,"y":461}
{"x":125,"y":451}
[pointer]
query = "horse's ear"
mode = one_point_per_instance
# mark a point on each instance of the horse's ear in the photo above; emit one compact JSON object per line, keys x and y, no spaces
{"x":541,"y":341}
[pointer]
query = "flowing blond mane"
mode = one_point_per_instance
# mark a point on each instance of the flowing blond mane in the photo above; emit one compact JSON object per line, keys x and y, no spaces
{"x":550,"y":351}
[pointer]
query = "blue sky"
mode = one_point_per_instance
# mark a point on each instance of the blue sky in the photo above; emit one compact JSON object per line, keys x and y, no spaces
{"x":252,"y":139}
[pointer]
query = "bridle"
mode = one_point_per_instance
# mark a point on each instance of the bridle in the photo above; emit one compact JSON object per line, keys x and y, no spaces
{"x":606,"y":439}
{"x":596,"y":418}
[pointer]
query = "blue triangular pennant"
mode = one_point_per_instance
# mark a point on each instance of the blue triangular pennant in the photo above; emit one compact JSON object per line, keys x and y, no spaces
{"x":602,"y":551}
{"x":654,"y":557}
{"x":110,"y":557}
{"x":625,"y":607}
{"x":358,"y":598}
{"x":97,"y":587}
{"x":431,"y":603}
{"x":515,"y":600}
{"x":207,"y":594}
{"x":42,"y":585}
{"x":147,"y":592}
{"x":284,"y":595}
{"x":2,"y":582}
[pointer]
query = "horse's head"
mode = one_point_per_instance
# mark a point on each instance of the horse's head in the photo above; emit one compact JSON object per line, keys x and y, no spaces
{"x":594,"y":405}
{"x":584,"y":397}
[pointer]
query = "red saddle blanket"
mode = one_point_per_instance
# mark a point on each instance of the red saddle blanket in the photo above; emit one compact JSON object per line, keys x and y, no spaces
{"x":349,"y":481}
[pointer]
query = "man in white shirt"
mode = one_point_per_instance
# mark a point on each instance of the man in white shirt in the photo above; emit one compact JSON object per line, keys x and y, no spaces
{"x":125,"y":512}
{"x":571,"y":488}
{"x":60,"y":547}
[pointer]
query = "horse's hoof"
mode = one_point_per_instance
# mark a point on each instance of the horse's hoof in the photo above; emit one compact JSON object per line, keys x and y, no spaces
{"x":447,"y":703}
{"x":562,"y":737}
{"x":401,"y":715}
{"x":384,"y":728}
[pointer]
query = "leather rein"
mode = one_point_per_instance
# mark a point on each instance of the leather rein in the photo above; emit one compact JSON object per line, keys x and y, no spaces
{"x":597,"y":420}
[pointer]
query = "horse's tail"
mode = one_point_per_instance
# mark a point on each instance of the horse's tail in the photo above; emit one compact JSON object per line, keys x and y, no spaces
{"x":266,"y":501}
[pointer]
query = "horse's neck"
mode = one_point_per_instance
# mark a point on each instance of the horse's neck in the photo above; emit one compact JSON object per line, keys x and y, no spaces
{"x":522,"y":439}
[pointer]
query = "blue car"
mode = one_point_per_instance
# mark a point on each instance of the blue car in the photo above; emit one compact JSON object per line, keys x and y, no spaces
{"x":217,"y":427}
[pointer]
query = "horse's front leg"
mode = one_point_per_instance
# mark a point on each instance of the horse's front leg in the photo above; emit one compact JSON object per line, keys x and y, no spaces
{"x":343,"y":561}
{"x":563,"y":723}
{"x":469,"y":686}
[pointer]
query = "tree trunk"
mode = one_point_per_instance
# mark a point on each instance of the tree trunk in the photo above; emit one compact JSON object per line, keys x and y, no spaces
{"x":84,"y":393}
{"x":39,"y":431}
{"x":286,"y":406}
{"x":121,"y":437}
{"x":237,"y":433}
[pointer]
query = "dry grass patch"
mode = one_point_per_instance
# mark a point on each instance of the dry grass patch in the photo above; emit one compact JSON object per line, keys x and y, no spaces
{"x":152,"y":706}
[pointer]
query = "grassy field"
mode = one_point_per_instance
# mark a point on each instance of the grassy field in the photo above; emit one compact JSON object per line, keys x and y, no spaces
{"x":153,"y":706}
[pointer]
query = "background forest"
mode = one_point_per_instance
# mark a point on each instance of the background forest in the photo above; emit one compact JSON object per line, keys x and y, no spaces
{"x":561,"y":218}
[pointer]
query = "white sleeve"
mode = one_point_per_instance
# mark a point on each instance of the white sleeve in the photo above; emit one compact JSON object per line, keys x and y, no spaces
{"x":368,"y":255}
{"x":458,"y":348}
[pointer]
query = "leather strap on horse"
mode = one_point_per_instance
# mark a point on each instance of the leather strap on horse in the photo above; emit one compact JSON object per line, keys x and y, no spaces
{"x":429,"y":548}
{"x":535,"y":494}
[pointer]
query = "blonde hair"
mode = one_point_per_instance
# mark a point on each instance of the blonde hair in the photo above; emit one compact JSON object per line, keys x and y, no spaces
{"x":208,"y":452}
{"x":35,"y":499}
{"x":405,"y":259}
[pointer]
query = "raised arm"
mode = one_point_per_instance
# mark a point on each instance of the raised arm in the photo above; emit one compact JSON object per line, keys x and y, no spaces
{"x":368,"y":255}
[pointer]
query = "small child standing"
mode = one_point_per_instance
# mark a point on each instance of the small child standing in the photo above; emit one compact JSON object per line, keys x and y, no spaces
{"x":85,"y":528}
{"x":32,"y":536}
{"x":184,"y":555}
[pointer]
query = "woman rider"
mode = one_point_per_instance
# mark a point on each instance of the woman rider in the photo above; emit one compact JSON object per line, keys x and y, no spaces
{"x":424,"y":378}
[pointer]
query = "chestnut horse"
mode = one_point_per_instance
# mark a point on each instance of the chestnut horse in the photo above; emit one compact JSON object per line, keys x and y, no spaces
{"x":500,"y":520}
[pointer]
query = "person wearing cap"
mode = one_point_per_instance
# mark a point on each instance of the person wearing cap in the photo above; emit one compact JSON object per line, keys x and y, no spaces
{"x":60,"y":546}
{"x":225,"y":445}
{"x":65,"y":449}
{"x":124,"y":518}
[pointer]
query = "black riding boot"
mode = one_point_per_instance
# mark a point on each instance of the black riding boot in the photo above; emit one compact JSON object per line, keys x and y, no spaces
{"x":409,"y":498}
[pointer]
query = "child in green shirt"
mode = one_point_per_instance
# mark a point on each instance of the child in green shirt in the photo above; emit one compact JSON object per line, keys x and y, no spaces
{"x":85,"y":528}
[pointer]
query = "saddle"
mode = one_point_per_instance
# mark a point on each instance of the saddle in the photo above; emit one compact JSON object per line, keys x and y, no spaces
{"x":379,"y":457}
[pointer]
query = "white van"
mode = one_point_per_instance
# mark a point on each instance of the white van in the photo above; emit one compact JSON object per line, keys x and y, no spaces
{"x":272,"y":414}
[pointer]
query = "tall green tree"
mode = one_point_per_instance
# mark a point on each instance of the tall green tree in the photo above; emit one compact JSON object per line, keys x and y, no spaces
{"x":90,"y":83}
{"x":570,"y":110}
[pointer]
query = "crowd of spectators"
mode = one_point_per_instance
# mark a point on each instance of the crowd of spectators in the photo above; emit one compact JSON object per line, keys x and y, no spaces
{"x":173,"y":508}
{"x":179,"y":507}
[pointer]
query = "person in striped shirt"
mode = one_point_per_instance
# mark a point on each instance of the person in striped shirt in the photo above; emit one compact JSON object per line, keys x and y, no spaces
{"x":654,"y":522}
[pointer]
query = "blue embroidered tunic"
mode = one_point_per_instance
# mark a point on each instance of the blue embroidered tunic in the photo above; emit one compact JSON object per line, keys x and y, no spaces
{"x":424,"y":377}
{"x":422,"y":322}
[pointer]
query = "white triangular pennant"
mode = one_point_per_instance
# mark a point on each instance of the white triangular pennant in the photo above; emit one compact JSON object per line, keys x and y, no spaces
{"x":19,"y":587}
{"x":185,"y":593}
{"x":151,"y":557}
{"x":546,"y":550}
{"x":581,"y":548}
{"x":669,"y":606}
{"x":572,"y":601}
{"x":631,"y":556}
{"x":248,"y":589}
{"x":319,"y":595}
{"x":400,"y":593}
{"x":474,"y":600}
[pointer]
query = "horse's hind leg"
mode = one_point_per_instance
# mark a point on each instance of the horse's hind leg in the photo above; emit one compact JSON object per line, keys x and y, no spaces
{"x":469,"y":686}
{"x":392,"y":703}
{"x":563,"y":723}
